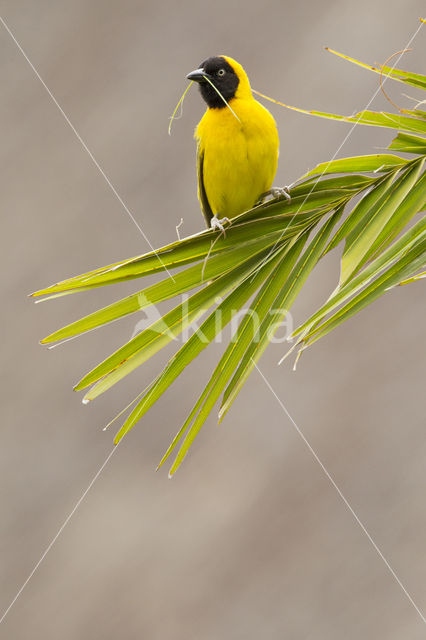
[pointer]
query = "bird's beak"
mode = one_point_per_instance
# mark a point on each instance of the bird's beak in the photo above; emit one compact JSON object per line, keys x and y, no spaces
{"x":199,"y":75}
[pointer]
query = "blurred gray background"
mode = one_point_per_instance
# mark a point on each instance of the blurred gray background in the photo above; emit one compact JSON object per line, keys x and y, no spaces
{"x":250,"y":539}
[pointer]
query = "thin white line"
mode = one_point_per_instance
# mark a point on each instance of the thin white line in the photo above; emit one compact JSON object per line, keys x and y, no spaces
{"x":351,"y":130}
{"x":341,"y":494}
{"x":59,"y":533}
{"x":117,"y":195}
{"x":113,"y":450}
{"x":86,"y":148}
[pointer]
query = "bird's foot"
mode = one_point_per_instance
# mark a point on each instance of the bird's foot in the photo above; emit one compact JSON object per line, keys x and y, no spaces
{"x":276,"y":192}
{"x":281,"y":192}
{"x":216,"y":223}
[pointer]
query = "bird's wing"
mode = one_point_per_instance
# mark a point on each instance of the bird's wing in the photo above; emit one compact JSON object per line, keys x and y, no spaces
{"x":202,"y":196}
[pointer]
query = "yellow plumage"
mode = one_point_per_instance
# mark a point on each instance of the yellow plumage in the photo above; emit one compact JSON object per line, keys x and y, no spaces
{"x":236,"y":158}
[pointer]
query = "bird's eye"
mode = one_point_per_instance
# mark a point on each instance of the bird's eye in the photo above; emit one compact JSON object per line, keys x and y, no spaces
{"x":221,"y":72}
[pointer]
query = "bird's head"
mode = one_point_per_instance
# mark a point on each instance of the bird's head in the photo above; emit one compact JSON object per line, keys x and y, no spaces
{"x":227,"y":75}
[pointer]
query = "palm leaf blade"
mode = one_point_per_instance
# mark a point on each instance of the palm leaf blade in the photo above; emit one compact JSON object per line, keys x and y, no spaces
{"x":414,"y":79}
{"x":409,"y":263}
{"x":233,"y":353}
{"x":383,"y":261}
{"x":281,"y":305}
{"x":200,"y":340}
{"x":166,"y":328}
{"x":362,"y":243}
{"x":166,"y":289}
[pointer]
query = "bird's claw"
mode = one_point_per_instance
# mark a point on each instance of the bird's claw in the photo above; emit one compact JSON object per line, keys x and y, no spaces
{"x":276,"y":192}
{"x":216,"y":223}
{"x":281,"y":192}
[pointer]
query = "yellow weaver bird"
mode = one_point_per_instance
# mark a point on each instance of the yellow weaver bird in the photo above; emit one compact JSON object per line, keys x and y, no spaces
{"x":237,"y":143}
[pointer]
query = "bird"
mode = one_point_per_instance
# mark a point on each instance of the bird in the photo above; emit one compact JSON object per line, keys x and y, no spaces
{"x":237,"y":143}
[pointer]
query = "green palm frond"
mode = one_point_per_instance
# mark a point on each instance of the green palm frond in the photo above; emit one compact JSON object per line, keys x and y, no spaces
{"x":263,"y":262}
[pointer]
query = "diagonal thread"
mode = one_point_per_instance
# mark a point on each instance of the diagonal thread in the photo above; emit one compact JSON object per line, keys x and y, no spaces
{"x":345,"y":501}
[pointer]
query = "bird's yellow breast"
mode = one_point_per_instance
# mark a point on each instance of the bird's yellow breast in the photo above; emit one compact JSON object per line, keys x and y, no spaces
{"x":239,"y":156}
